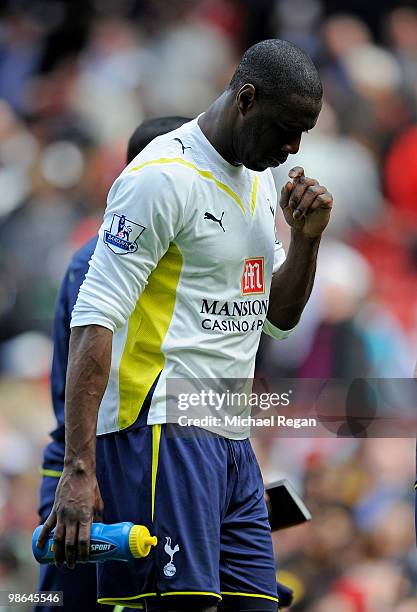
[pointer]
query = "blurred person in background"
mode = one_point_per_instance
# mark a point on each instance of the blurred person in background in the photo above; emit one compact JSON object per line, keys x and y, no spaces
{"x":380,"y":109}
{"x":79,"y":586}
{"x":402,"y":194}
{"x":401,"y":32}
{"x":329,"y":343}
{"x":20,"y":56}
{"x":114,"y":66}
{"x":341,"y":33}
{"x":42,"y":212}
{"x":371,"y":586}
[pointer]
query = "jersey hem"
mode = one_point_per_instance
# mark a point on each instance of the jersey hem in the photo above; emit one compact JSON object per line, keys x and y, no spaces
{"x":162,"y":420}
{"x":82,"y":320}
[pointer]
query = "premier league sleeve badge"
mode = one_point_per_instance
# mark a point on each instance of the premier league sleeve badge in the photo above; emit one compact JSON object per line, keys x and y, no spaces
{"x":123,"y":234}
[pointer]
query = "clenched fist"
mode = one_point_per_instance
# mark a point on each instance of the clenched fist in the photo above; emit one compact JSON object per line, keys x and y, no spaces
{"x":306,"y":204}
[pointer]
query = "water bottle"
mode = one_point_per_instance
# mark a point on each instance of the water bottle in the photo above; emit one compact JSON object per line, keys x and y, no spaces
{"x":119,"y":542}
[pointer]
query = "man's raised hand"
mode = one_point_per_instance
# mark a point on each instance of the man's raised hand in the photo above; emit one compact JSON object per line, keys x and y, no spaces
{"x":305,"y":203}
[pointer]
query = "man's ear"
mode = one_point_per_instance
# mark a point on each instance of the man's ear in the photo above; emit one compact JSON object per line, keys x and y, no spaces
{"x":246,"y":98}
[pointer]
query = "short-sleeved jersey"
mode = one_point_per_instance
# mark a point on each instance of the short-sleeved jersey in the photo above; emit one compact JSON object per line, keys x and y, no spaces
{"x":181,"y":273}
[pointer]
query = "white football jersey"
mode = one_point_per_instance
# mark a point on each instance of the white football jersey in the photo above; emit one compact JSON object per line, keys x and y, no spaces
{"x":181,"y":273}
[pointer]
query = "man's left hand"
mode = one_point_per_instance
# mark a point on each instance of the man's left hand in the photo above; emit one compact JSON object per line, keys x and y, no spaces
{"x":306,"y":204}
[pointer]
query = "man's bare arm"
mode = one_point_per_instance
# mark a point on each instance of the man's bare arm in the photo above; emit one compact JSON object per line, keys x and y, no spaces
{"x":306,"y":206}
{"x":292,"y":283}
{"x":77,"y":498}
{"x":88,"y":372}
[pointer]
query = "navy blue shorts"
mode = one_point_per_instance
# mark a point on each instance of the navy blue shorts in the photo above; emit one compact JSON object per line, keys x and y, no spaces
{"x":202,"y":495}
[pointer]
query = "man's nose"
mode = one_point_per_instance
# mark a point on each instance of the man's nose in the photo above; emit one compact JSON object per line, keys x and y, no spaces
{"x":293,"y":146}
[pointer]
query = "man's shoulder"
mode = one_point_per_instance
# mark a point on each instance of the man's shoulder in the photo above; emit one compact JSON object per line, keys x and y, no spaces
{"x":161,"y":166}
{"x":170,"y":149}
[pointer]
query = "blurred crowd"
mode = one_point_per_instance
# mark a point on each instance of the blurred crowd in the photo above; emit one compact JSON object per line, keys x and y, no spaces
{"x":76,"y":78}
{"x":358,"y":552}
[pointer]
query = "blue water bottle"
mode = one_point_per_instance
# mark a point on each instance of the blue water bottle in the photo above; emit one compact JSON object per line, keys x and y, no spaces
{"x":119,"y":542}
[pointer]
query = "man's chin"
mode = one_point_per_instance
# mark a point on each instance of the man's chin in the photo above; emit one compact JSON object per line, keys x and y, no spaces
{"x":258,"y":166}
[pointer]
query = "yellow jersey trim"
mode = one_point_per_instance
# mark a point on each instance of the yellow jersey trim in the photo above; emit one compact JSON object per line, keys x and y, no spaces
{"x":254,"y":193}
{"x":203,"y":173}
{"x":51,"y":473}
{"x":192,"y":593}
{"x":156,"y":440}
{"x":251,"y":595}
{"x":142,"y":358}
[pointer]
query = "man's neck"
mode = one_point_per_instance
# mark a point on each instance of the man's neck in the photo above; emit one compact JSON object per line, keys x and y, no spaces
{"x":216,"y":125}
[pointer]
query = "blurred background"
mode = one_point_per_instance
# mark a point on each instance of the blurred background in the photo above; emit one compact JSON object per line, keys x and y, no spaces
{"x":76,"y":77}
